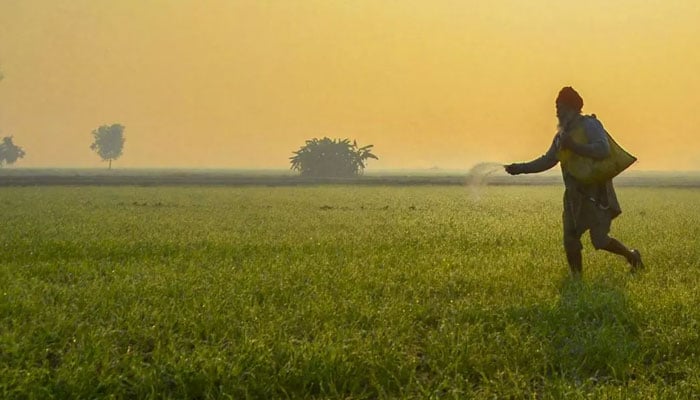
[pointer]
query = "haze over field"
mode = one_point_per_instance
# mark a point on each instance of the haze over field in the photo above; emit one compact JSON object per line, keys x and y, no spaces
{"x":240,"y":84}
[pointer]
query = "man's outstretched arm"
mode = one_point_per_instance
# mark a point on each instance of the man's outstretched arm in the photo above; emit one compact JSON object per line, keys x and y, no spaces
{"x":543,"y":163}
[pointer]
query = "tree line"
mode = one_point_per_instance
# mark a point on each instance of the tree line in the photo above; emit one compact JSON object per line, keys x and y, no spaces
{"x":323,"y":157}
{"x":9,"y":151}
{"x":108,"y":143}
{"x":317,"y":158}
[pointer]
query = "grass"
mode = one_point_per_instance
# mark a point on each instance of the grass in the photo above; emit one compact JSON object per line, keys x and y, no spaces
{"x":12,"y":177}
{"x":340,"y":292}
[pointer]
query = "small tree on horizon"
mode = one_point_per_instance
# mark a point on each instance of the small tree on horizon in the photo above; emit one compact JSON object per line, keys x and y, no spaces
{"x":331,"y":158}
{"x":108,"y":142}
{"x":10,"y":152}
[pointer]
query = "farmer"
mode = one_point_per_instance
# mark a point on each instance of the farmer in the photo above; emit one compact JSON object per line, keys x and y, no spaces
{"x":587,"y":207}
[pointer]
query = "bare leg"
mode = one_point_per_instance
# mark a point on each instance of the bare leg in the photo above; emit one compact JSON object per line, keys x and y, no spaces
{"x":614,"y":246}
{"x":633,"y":257}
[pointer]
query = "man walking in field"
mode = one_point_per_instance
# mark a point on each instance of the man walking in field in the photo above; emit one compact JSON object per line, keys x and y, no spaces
{"x":587,"y":206}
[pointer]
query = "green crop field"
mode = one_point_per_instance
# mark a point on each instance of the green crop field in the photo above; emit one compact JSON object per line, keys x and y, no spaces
{"x":350,"y":292}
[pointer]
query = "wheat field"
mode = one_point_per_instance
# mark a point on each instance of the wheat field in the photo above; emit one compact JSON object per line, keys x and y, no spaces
{"x":341,"y":291}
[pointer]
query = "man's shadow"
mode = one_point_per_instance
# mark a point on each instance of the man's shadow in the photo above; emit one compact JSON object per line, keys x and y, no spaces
{"x":591,"y":333}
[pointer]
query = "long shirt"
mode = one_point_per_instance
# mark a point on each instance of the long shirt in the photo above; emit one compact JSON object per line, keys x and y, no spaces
{"x":597,"y":147}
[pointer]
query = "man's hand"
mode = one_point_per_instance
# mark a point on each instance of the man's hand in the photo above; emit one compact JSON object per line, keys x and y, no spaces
{"x":567,"y":142}
{"x":513,"y":169}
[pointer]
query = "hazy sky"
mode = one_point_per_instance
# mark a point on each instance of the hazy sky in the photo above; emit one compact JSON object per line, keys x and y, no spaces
{"x":242,"y":83}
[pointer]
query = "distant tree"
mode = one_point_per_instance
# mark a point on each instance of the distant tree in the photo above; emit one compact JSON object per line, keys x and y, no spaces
{"x":9,"y":152}
{"x":331,"y":158}
{"x":109,"y":142}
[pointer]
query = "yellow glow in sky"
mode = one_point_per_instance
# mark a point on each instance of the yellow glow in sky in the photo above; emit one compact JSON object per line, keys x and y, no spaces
{"x":448,"y":83}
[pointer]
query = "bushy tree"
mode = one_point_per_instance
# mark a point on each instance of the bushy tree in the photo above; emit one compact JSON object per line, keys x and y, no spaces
{"x":108,"y":142}
{"x":331,"y":158}
{"x":9,"y":152}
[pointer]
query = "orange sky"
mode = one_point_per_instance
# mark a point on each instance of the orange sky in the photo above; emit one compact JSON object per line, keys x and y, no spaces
{"x":448,"y":83}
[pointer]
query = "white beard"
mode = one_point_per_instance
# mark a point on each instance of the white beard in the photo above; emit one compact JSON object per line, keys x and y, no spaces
{"x":564,"y":121}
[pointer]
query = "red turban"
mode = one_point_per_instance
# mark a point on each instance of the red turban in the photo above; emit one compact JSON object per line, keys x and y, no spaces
{"x":569,"y":97}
